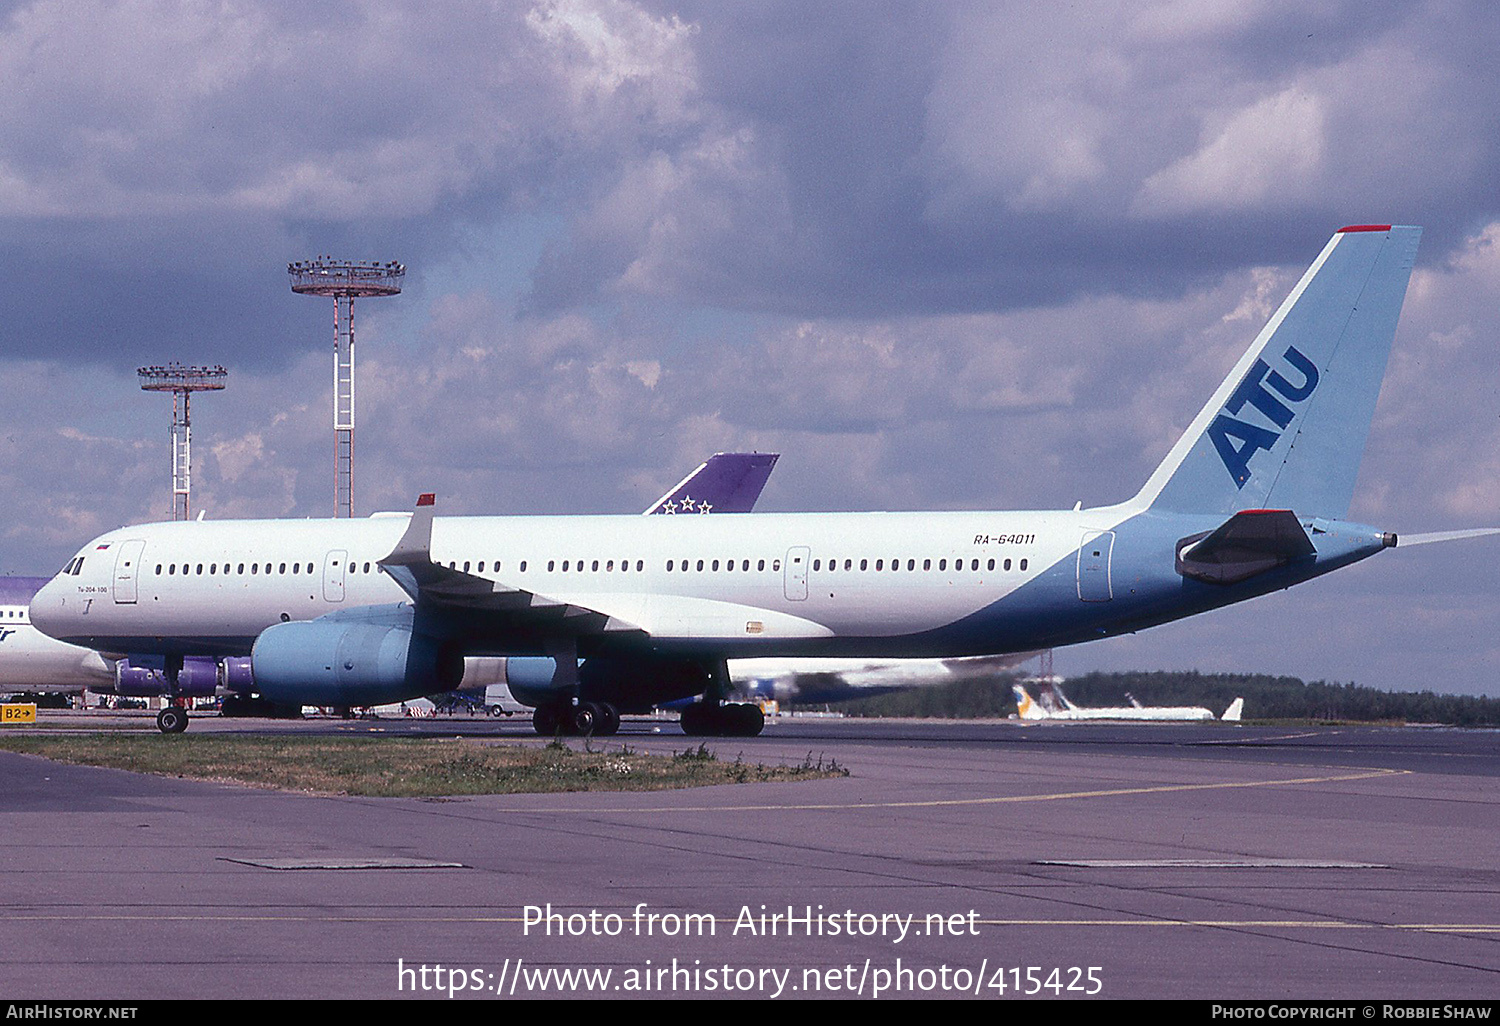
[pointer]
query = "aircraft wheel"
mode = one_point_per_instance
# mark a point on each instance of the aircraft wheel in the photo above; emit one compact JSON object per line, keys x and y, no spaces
{"x":749,"y":721}
{"x":546,"y":720}
{"x":695,"y":720}
{"x":172,"y":720}
{"x":609,"y":720}
{"x":586,"y":719}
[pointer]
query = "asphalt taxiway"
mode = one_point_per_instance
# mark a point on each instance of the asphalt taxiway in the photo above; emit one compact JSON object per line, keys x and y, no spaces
{"x":1180,"y":860}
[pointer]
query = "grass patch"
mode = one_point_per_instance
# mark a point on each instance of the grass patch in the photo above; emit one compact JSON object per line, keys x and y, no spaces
{"x":410,"y":767}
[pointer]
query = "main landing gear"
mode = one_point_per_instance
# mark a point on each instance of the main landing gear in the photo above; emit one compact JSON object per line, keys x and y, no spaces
{"x":729,"y":719}
{"x":596,"y":719}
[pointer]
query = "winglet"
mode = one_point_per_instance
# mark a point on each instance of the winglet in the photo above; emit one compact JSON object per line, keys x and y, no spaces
{"x":415,"y":545}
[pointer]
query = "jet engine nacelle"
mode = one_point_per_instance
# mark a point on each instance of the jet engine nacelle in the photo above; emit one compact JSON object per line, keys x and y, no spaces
{"x":199,"y":678}
{"x":345,"y":664}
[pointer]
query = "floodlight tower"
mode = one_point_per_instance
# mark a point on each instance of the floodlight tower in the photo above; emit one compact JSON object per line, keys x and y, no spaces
{"x":344,"y":281}
{"x":182,"y":382}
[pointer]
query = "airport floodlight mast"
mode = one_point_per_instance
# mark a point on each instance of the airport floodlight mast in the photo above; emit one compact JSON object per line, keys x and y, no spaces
{"x":344,"y":281}
{"x":182,"y":382}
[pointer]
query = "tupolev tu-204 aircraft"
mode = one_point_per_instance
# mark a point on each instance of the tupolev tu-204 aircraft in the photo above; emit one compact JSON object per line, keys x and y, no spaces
{"x":599,"y":615}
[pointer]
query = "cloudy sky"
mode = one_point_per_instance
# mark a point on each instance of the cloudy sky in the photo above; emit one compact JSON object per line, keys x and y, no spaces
{"x":954,"y":255}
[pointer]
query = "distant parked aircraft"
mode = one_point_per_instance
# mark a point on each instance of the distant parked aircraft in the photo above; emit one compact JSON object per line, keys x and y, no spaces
{"x":1054,"y":705}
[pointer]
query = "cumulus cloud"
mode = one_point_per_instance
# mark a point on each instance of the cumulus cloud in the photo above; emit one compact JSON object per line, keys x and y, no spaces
{"x":1272,"y":149}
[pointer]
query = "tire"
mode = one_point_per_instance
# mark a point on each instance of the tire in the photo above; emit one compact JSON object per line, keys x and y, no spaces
{"x":609,"y":723}
{"x":696,"y":720}
{"x":586,"y":719}
{"x":749,"y":721}
{"x":546,"y":720}
{"x":172,"y":720}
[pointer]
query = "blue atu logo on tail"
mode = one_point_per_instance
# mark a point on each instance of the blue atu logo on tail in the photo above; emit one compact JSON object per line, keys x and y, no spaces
{"x":1253,"y":390}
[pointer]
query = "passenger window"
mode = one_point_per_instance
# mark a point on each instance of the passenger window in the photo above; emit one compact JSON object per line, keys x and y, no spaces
{"x":716,"y":564}
{"x":761,"y":565}
{"x":283,"y":569}
{"x":926,"y":564}
{"x":1023,"y":564}
{"x":254,"y":568}
{"x":880,"y":564}
{"x":991,"y":565}
{"x":864,"y":564}
{"x":942,"y":564}
{"x":700,"y":565}
{"x":817,"y":564}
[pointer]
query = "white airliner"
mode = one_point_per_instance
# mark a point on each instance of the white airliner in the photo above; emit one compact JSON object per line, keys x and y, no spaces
{"x":818,"y":681}
{"x":1063,"y":709}
{"x":30,"y":661}
{"x":598,"y":615}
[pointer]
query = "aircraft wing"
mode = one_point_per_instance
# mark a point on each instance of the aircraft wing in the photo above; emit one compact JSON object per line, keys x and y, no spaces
{"x":478,"y":605}
{"x":727,"y":482}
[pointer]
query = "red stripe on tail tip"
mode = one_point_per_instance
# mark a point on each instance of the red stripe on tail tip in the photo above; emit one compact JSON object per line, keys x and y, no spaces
{"x":427,"y":499}
{"x":1364,"y":228}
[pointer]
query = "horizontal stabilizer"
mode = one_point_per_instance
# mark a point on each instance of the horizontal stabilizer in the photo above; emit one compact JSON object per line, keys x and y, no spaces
{"x":1248,"y":543}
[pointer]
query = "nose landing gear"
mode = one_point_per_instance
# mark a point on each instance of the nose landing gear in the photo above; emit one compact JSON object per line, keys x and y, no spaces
{"x":172,"y":720}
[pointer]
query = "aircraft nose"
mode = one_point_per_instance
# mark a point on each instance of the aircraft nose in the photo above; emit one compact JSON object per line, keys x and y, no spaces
{"x":49,"y":611}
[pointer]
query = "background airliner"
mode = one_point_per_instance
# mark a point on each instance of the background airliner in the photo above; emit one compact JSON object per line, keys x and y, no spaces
{"x":1052,"y":704}
{"x":30,"y":661}
{"x":598,"y":615}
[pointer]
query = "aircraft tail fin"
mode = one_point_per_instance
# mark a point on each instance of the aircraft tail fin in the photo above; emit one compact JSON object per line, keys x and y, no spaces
{"x":727,"y":482}
{"x":1287,"y":427}
{"x":1232,"y":714}
{"x":1025,"y":707}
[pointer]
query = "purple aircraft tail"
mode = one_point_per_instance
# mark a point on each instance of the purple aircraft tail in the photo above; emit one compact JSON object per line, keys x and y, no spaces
{"x":729,"y":482}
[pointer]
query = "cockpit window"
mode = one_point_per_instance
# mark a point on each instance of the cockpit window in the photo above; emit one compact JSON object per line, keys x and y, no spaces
{"x":77,"y":566}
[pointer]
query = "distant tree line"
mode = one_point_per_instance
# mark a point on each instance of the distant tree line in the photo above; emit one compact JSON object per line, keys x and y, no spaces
{"x":1266,"y":698}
